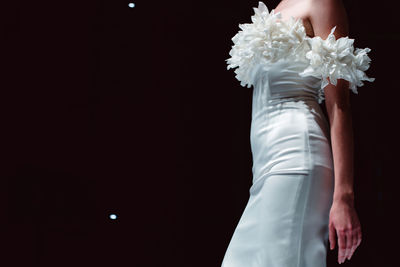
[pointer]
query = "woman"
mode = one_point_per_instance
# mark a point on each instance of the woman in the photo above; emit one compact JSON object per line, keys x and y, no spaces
{"x":295,"y":57}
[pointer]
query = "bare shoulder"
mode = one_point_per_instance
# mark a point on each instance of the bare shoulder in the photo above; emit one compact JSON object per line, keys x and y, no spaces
{"x":323,"y":15}
{"x":298,"y":9}
{"x":318,"y":16}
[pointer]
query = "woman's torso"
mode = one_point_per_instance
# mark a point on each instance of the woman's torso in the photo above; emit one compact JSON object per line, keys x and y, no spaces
{"x":289,"y":132}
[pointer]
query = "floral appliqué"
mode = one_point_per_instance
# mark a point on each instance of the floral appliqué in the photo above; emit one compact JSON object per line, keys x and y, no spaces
{"x":267,"y":39}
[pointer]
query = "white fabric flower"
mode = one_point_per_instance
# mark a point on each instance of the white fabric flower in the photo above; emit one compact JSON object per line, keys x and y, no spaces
{"x":265,"y":39}
{"x":337,"y":59}
{"x":268,"y":39}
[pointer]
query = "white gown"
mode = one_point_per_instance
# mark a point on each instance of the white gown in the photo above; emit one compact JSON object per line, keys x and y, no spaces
{"x":285,"y":222}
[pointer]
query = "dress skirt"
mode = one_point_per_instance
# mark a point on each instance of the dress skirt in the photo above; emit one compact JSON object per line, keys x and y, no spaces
{"x":285,"y":221}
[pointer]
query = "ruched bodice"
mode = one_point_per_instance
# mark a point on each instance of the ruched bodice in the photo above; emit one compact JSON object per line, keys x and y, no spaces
{"x":280,"y":80}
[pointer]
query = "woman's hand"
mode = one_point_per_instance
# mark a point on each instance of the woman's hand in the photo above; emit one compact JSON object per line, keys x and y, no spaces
{"x":343,"y":221}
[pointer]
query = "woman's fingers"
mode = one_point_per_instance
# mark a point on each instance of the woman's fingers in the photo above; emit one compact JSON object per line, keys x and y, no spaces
{"x":342,"y":245}
{"x":354,"y":245}
{"x":332,"y":237}
{"x":359,"y":236}
{"x":356,"y":240}
{"x":343,"y":223}
{"x":349,"y":243}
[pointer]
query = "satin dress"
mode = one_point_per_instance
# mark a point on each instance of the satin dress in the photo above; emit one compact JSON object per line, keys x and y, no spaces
{"x":285,"y":221}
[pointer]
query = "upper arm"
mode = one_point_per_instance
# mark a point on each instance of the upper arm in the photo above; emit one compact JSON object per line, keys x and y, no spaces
{"x":324,"y":15}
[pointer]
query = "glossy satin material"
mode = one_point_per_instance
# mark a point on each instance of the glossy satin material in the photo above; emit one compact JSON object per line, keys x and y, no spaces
{"x":285,"y":222}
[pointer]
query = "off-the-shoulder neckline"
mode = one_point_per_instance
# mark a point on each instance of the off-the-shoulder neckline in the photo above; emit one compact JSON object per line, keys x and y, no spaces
{"x":275,"y":15}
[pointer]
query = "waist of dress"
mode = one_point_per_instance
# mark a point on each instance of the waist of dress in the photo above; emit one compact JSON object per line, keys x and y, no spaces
{"x":306,"y":103}
{"x":291,"y":99}
{"x":299,"y":101}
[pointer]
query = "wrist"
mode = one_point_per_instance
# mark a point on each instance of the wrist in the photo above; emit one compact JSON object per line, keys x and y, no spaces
{"x":347,"y":197}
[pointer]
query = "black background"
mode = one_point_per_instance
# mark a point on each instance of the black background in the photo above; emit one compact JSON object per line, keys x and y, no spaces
{"x":110,"y":109}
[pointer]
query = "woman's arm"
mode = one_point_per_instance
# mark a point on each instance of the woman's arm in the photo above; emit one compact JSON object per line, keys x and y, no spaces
{"x":337,"y":102}
{"x":324,"y":15}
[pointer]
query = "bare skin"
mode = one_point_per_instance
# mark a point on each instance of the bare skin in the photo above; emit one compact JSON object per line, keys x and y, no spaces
{"x":319,"y":17}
